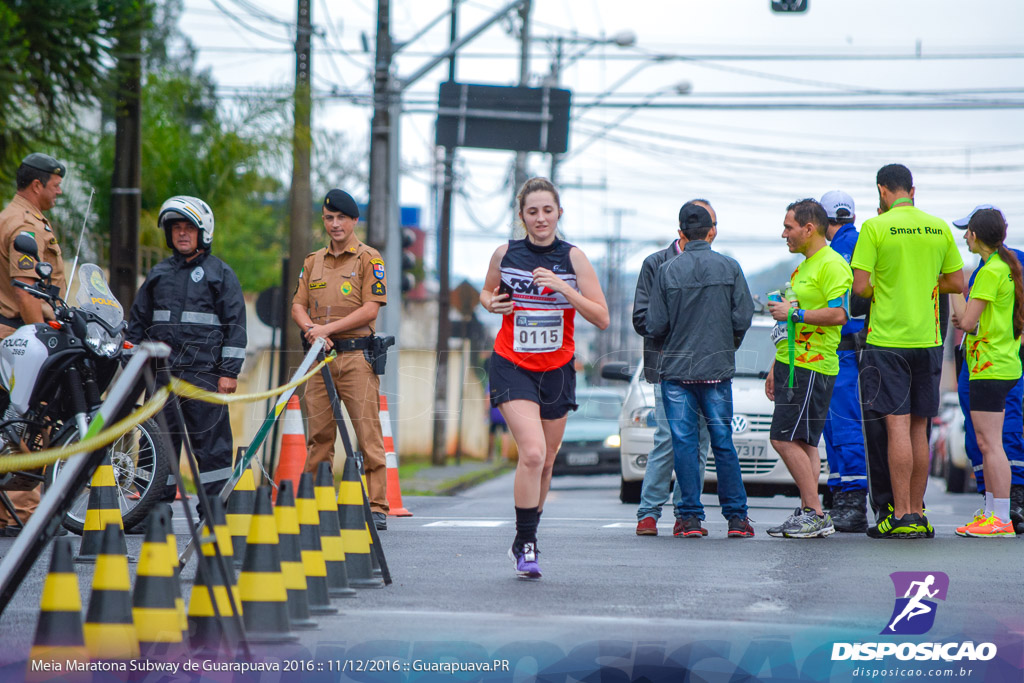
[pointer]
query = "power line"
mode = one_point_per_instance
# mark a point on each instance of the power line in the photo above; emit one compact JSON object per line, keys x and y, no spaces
{"x":252,"y":29}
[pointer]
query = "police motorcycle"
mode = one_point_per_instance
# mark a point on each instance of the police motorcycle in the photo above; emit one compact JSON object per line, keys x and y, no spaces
{"x":53,"y":375}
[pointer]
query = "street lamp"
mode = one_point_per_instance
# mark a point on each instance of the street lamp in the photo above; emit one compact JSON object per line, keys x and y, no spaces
{"x":622,"y":39}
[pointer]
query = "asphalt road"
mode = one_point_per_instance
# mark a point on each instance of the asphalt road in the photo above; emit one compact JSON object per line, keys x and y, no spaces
{"x":607,"y":593}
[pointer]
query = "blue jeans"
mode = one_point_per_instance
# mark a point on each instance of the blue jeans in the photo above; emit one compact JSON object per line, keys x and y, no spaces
{"x":683,"y":403}
{"x":660,"y":463}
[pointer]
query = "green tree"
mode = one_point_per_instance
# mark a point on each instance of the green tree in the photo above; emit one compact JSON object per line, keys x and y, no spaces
{"x":54,"y":60}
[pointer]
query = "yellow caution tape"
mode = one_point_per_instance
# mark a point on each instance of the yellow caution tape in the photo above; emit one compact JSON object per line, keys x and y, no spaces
{"x":187,"y":390}
{"x":31,"y":461}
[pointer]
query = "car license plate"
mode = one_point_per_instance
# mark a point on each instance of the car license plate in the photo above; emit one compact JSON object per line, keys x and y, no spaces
{"x":581,"y":459}
{"x":746,"y":448}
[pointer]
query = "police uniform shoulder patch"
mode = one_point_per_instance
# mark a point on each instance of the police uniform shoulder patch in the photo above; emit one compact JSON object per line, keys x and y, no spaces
{"x":377,"y":288}
{"x":26,"y":262}
{"x":378,"y":268}
{"x":346,"y":287}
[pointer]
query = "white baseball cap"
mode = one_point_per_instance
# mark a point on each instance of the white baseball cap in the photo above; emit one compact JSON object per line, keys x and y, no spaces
{"x":838,"y":201}
{"x":962,"y":222}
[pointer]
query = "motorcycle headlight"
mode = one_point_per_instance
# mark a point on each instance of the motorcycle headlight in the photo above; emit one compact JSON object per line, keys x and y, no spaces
{"x":102,"y":342}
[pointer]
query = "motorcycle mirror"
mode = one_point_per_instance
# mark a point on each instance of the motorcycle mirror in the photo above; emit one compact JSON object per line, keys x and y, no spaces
{"x":43,"y":270}
{"x":26,"y":244}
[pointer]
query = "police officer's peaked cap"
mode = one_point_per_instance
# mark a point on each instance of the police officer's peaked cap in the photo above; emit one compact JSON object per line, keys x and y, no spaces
{"x":44,"y":163}
{"x":694,"y":216}
{"x":341,"y":201}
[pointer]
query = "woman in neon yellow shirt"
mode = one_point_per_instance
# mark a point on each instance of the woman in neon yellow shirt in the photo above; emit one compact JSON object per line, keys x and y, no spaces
{"x":993,"y":320}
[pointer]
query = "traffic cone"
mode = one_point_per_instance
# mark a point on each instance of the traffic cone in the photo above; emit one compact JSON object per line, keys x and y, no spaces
{"x":59,"y":629}
{"x":103,"y":509}
{"x":209,"y":634}
{"x":109,"y":629}
{"x":293,"y":447}
{"x":394,"y":488}
{"x":153,"y":602}
{"x":261,"y":585}
{"x":355,"y":536}
{"x":172,"y":549}
{"x":287,"y":519}
{"x":309,"y":543}
{"x":330,"y":533}
{"x":239,"y":513}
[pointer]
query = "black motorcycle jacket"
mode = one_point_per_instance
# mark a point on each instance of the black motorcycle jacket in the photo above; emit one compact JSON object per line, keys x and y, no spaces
{"x":195,"y":307}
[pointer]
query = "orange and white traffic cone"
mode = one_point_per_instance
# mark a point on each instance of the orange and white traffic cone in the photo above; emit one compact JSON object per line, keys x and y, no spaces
{"x":293,"y":447}
{"x":394,"y":488}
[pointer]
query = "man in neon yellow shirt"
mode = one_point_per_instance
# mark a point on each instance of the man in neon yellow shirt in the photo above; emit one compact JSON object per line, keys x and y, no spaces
{"x":904,"y":260}
{"x":808,"y":358}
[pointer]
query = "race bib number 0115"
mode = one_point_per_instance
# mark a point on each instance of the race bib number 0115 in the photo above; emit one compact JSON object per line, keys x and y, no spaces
{"x":537,"y":331}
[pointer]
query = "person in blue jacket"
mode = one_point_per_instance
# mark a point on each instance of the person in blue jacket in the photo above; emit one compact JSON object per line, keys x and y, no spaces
{"x":1013,"y":422}
{"x":844,"y":438}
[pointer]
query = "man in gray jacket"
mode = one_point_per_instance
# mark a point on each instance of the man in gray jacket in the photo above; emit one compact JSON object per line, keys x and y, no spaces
{"x":700,"y":309}
{"x":660,"y":461}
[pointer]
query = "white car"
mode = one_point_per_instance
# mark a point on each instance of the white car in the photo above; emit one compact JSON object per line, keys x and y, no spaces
{"x":763,"y":471}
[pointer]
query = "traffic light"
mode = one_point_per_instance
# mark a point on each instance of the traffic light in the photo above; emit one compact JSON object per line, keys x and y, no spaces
{"x":412,"y":264}
{"x":789,"y":5}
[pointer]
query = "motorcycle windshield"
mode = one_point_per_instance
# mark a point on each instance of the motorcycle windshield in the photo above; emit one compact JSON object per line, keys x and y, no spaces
{"x":94,"y":295}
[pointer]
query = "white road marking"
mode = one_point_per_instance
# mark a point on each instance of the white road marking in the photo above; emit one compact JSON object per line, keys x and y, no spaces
{"x":468,"y":523}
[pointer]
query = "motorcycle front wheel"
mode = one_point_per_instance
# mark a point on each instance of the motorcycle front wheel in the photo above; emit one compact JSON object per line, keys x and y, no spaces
{"x":141,"y":464}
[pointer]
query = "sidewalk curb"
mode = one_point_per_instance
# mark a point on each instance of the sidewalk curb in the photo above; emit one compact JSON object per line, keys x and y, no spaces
{"x":458,"y":484}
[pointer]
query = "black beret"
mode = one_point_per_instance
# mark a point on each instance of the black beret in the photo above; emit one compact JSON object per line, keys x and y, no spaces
{"x":341,"y":201}
{"x":44,"y":163}
{"x":694,"y":216}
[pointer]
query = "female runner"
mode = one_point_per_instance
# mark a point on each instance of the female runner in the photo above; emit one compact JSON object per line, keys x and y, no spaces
{"x":537,"y":284}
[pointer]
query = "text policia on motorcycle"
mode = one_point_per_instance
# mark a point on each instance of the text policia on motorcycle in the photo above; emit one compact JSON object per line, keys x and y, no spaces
{"x":874,"y":301}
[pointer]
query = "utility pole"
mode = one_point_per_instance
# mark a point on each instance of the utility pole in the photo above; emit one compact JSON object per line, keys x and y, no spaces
{"x":380,"y":133}
{"x":301,"y":198}
{"x":615,"y":295}
{"x":519,"y":177}
{"x":126,"y":195}
{"x":439,"y":451}
{"x":556,"y":77}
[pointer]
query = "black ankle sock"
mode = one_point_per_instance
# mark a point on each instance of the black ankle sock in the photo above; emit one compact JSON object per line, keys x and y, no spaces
{"x":526,"y":526}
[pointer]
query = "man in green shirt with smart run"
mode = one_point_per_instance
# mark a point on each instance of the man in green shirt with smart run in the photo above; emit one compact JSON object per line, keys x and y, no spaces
{"x":806,"y":364}
{"x":904,"y":260}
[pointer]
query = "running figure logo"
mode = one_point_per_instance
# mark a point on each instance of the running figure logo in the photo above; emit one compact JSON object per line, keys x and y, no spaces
{"x":916,"y":592}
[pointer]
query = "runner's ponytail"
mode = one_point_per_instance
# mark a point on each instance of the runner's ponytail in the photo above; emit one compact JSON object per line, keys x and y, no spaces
{"x":1018,"y":288}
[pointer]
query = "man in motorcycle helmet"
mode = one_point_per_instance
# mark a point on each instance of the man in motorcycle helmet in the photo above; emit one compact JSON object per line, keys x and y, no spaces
{"x":192,"y":301}
{"x":37,"y":182}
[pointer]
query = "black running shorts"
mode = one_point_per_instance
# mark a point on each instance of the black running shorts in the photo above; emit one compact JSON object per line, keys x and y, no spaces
{"x":553,"y":390}
{"x":897,"y":381}
{"x":800,"y":411}
{"x":989,"y":395}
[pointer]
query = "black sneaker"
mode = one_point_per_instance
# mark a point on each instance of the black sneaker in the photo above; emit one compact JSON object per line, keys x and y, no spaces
{"x":908,"y":526}
{"x":380,"y":520}
{"x":689,"y":528}
{"x":739,"y":527}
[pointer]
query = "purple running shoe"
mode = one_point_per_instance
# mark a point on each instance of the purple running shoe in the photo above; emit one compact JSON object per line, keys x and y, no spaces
{"x":525,"y":560}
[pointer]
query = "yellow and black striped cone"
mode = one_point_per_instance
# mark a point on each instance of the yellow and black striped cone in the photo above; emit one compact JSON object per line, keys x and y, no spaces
{"x":109,"y":628}
{"x":59,"y":630}
{"x":172,"y":553}
{"x":330,"y":533}
{"x":261,"y":585}
{"x":309,"y":543}
{"x":153,"y":601}
{"x":287,"y":518}
{"x":103,"y":509}
{"x":355,"y":536}
{"x":239,"y":513}
{"x":209,"y":634}
{"x":368,"y":516}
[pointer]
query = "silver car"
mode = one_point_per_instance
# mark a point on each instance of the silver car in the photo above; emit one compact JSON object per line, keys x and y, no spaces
{"x":764,"y":473}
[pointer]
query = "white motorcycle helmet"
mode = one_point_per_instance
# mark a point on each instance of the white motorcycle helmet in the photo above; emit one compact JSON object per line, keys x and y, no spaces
{"x":193,"y":210}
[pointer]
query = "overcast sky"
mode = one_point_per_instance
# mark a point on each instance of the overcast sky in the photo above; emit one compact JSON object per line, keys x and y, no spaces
{"x":749,"y":162}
